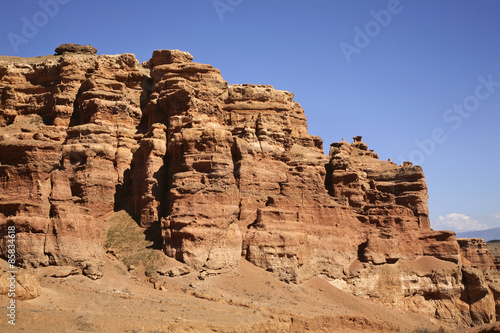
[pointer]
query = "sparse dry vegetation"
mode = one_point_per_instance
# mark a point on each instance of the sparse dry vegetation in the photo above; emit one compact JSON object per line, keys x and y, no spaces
{"x":134,"y":245}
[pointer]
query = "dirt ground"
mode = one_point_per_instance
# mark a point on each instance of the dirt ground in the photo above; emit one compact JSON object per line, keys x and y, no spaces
{"x":248,"y":300}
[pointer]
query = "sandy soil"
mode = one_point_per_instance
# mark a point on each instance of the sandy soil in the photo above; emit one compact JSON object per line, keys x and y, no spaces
{"x":249,"y":300}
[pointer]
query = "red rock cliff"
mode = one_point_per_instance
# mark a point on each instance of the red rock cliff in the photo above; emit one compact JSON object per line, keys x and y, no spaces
{"x":229,"y":171}
{"x":476,"y":252}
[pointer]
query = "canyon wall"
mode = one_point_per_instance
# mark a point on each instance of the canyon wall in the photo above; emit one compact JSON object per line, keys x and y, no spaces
{"x":476,"y":252}
{"x":229,"y":171}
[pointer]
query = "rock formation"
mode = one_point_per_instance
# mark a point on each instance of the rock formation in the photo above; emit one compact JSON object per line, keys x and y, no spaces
{"x":229,"y":171}
{"x":494,"y":248}
{"x":476,"y":252}
{"x":67,"y":136}
{"x":19,"y":283}
{"x":75,"y":48}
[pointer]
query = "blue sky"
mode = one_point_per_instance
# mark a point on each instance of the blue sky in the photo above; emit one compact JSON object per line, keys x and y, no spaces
{"x":419,"y":80}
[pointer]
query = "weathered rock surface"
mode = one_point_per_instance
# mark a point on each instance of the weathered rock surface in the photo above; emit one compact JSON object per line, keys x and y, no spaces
{"x":229,"y":171}
{"x":75,"y":48}
{"x":494,"y":248}
{"x":24,"y":287}
{"x":479,"y":296}
{"x":494,"y":285}
{"x":18,"y":284}
{"x":476,"y":252}
{"x":66,"y":139}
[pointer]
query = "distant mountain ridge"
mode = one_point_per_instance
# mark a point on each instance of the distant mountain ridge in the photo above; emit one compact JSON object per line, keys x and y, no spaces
{"x":487,"y":235}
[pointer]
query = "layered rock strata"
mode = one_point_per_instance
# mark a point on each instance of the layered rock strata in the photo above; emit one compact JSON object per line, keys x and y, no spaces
{"x":476,"y":252}
{"x":229,"y":171}
{"x":494,"y":248}
{"x":68,"y":126}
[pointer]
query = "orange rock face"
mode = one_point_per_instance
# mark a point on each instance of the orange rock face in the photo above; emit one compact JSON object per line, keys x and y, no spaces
{"x":67,"y":136}
{"x":229,"y":171}
{"x":476,"y":252}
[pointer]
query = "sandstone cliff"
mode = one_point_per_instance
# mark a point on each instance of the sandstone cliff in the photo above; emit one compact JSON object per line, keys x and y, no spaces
{"x":494,"y":248}
{"x":229,"y":171}
{"x":476,"y":252}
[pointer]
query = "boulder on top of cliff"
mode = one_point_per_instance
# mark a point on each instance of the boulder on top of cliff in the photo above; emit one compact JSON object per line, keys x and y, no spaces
{"x":165,"y":57}
{"x":358,"y":143}
{"x":75,"y":48}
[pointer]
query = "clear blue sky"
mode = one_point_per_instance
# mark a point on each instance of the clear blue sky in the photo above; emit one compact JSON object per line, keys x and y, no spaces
{"x":394,"y":80}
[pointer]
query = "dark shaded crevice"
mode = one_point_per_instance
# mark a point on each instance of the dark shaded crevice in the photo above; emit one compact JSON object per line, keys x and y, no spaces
{"x":76,"y":117}
{"x":135,"y":169}
{"x":52,"y":211}
{"x":147,"y":88}
{"x":236,"y":157}
{"x":282,"y":186}
{"x":328,"y":179}
{"x":48,"y":120}
{"x":160,"y":188}
{"x":123,"y":194}
{"x":76,"y":190}
{"x":10,"y":209}
{"x":167,"y":180}
{"x":361,"y":251}
{"x":77,"y":159}
{"x":153,"y":234}
{"x":253,"y":224}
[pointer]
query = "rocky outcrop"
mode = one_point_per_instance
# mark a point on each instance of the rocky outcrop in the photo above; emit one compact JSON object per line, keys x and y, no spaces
{"x":229,"y":171}
{"x":494,"y":285}
{"x":18,"y":284}
{"x":75,"y":48}
{"x":402,"y":261}
{"x":392,"y":201}
{"x":22,"y":285}
{"x":479,"y":296}
{"x":475,"y":251}
{"x":66,"y":141}
{"x":494,"y":248}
